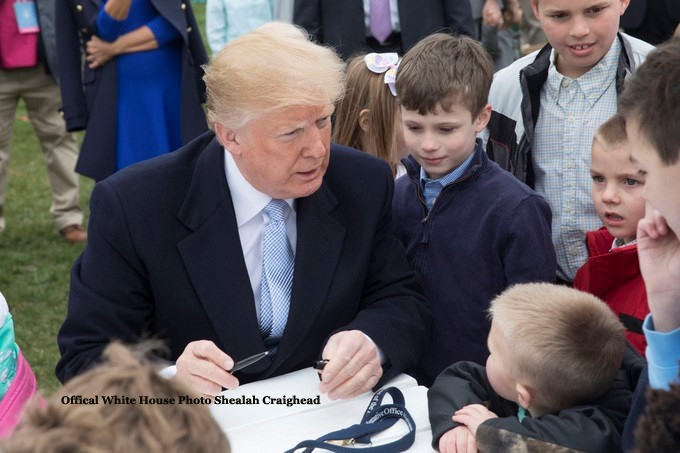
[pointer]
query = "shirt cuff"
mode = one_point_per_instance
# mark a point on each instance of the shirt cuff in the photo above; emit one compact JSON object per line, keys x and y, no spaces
{"x":381,"y":354}
{"x":663,"y":353}
{"x":168,"y":372}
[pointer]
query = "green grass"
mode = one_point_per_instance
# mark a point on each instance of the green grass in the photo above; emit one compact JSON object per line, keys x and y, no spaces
{"x":35,"y":262}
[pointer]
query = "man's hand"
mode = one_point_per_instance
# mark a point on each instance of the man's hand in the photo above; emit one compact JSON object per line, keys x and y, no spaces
{"x":99,"y":52}
{"x":659,"y":255}
{"x":205,"y":368}
{"x":472,"y":416}
{"x":353,"y":365}
{"x":458,"y":440}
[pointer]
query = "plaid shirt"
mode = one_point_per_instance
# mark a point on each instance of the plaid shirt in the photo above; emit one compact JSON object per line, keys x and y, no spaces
{"x":571,"y":112}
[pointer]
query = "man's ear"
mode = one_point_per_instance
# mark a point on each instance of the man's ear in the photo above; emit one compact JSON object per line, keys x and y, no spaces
{"x":228,"y":138}
{"x":363,"y":120}
{"x":525,"y":395}
{"x":483,"y":118}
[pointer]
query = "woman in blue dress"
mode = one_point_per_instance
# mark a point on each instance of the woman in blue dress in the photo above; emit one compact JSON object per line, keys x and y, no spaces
{"x":141,"y":91}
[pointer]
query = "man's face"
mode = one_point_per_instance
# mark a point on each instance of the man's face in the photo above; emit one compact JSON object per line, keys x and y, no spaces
{"x":662,"y":185}
{"x":442,"y":141}
{"x":617,"y":190}
{"x":580,"y":31}
{"x":284,"y":153}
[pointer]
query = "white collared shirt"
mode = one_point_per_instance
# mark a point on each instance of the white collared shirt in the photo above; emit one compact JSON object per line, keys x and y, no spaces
{"x":248,"y":204}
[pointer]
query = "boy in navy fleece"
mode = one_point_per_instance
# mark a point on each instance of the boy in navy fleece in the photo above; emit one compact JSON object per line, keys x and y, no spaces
{"x":470,"y":229}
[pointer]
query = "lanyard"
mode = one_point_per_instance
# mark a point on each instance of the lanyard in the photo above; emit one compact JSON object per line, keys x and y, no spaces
{"x":378,"y":417}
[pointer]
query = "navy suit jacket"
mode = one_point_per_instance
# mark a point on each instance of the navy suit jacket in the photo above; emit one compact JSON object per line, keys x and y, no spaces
{"x":164,"y":259}
{"x":341,"y":24}
{"x":89,"y":96}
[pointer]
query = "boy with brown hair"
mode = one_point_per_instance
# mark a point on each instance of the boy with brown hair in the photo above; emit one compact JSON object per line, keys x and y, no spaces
{"x":470,"y":229}
{"x":59,"y":426}
{"x":612,"y":271}
{"x":548,"y":379}
{"x":650,"y":105}
{"x":548,"y":105}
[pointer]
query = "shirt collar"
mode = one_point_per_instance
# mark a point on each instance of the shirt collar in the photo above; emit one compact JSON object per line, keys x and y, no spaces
{"x":593,"y":83}
{"x":450,"y":177}
{"x":247,"y":200}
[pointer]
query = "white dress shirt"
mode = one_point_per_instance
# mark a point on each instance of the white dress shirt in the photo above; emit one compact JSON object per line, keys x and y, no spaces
{"x":248,"y":205}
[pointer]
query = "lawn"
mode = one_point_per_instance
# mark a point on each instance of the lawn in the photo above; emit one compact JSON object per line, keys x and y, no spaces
{"x":34,"y":261}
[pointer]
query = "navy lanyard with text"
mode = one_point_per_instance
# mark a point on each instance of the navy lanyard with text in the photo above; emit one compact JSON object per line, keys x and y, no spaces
{"x":378,"y":417}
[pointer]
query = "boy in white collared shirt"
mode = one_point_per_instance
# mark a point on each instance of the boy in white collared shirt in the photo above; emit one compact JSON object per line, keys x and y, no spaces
{"x":548,"y":105}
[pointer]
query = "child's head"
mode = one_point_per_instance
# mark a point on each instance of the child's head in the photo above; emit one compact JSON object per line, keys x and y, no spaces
{"x":617,"y":186}
{"x":368,"y":117}
{"x":443,"y":85}
{"x":650,"y":104}
{"x":552,"y":347}
{"x":580,"y":31}
{"x":64,"y":425}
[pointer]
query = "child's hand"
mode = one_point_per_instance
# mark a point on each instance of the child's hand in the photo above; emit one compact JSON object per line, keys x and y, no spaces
{"x":659,"y":254}
{"x":472,"y":416}
{"x":458,"y":440}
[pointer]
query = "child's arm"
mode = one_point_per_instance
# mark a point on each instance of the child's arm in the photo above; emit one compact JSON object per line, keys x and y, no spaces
{"x":458,"y":386}
{"x":659,"y":254}
{"x":527,"y":249}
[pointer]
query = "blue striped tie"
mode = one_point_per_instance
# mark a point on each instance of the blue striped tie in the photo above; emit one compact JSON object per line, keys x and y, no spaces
{"x":277,"y":274}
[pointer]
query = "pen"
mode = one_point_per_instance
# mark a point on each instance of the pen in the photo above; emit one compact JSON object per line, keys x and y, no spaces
{"x":319,"y":365}
{"x":248,"y":361}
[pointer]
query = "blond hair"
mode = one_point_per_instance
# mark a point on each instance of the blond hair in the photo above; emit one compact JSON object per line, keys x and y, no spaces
{"x":568,"y":344}
{"x":270,"y":68}
{"x":612,"y":133}
{"x":55,"y":426}
{"x":367,"y":90}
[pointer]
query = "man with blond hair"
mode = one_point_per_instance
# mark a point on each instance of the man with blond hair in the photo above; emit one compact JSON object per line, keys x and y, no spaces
{"x":258,"y":236}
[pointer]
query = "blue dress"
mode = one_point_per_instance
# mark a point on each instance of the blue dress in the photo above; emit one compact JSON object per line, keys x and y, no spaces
{"x":149,"y":86}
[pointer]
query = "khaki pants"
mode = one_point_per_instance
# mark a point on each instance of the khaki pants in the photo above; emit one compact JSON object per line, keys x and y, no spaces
{"x":41,"y":96}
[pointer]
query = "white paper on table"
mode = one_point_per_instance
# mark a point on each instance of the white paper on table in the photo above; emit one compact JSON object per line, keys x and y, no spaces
{"x":276,"y":428}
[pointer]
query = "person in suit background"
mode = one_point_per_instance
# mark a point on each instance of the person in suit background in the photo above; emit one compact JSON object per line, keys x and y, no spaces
{"x":351,"y":27}
{"x":181,"y":245}
{"x":139,"y":92}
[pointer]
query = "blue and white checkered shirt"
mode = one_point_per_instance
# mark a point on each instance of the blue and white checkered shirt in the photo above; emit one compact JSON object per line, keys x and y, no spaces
{"x":571,"y":112}
{"x":432,"y":187}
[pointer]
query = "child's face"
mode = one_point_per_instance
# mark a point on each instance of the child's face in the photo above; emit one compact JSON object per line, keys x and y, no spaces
{"x":441,"y":141}
{"x":617,"y":190}
{"x":580,"y":31}
{"x":662,"y":185}
{"x":496,"y":369}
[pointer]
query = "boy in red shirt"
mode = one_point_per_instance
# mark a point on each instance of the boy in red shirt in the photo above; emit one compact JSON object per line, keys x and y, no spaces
{"x":612,"y":271}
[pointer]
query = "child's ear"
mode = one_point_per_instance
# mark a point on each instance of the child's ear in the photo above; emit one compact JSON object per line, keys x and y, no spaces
{"x":534,"y":8}
{"x":483,"y":118}
{"x":363,"y":120}
{"x":525,"y":395}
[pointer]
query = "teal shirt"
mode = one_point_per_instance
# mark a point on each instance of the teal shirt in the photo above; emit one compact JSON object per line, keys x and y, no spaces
{"x":9,"y":352}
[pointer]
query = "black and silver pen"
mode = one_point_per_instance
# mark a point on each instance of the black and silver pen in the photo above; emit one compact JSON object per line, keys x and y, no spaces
{"x":248,"y":361}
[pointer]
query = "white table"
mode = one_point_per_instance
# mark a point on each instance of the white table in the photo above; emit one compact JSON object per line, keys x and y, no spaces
{"x":276,"y":427}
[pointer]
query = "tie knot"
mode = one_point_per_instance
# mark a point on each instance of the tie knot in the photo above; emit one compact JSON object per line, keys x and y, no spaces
{"x":275,"y":209}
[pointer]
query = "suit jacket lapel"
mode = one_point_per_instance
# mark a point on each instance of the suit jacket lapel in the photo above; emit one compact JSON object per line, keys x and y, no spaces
{"x":319,"y":244}
{"x":213,"y":258}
